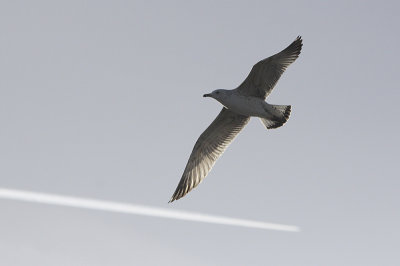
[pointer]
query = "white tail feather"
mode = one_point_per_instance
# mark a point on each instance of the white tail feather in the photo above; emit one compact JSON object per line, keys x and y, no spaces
{"x":281,"y":115}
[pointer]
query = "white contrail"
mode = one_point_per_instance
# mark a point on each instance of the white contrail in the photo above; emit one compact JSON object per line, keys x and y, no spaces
{"x":94,"y":204}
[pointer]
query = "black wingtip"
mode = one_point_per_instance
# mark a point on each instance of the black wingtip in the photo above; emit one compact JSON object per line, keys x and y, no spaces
{"x":175,"y":196}
{"x":299,"y":40}
{"x":294,"y":48}
{"x":172,"y":198}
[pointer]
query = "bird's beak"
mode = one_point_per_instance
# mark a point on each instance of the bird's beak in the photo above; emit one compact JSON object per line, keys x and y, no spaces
{"x":207,"y":95}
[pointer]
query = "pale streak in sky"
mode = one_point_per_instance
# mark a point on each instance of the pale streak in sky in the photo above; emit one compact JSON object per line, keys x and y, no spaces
{"x":111,"y":206}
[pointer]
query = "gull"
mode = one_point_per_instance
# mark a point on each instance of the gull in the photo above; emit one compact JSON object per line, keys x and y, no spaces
{"x":247,"y":100}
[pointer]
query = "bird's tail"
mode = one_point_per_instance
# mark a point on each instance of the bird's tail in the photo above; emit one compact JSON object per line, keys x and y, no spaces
{"x":280,"y":116}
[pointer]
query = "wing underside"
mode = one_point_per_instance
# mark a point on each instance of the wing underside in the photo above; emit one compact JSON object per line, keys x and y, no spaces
{"x":208,"y":148}
{"x":266,"y":73}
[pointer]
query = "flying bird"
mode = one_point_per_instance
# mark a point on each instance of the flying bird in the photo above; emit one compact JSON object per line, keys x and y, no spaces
{"x":240,"y":104}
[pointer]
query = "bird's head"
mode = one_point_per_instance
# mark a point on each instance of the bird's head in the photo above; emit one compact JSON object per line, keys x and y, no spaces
{"x":217,"y":94}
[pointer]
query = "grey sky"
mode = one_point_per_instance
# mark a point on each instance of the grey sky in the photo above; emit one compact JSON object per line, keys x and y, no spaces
{"x":104,"y":100}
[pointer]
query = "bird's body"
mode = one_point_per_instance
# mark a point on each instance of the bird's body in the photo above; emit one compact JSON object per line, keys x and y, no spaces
{"x":248,"y":100}
{"x":247,"y":105}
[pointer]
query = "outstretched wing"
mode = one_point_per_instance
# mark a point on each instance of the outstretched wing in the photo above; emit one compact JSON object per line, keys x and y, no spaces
{"x":266,"y":73}
{"x":208,"y":148}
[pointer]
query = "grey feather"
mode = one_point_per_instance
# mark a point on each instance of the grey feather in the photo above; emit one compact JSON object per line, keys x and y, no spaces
{"x":266,"y":73}
{"x":208,"y":148}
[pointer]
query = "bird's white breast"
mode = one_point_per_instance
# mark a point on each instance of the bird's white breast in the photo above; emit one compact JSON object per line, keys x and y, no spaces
{"x":245,"y":105}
